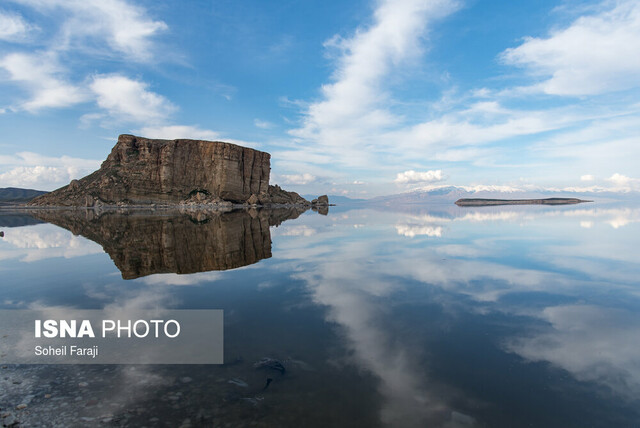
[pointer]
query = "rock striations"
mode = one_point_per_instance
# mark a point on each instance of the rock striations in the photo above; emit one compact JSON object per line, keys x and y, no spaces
{"x":142,"y":171}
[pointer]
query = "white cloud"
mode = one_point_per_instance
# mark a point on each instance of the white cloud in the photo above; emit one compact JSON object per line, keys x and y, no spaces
{"x":477,"y":124}
{"x":490,"y":188}
{"x":500,"y":216}
{"x":33,"y":159}
{"x":93,"y":28}
{"x":87,"y":24}
{"x":305,"y":178}
{"x":86,"y":120}
{"x":294,"y":230}
{"x":618,"y":184}
{"x":595,"y":54}
{"x":616,"y":218}
{"x":263,"y":124}
{"x":360,"y":311}
{"x":32,"y":170}
{"x":40,"y":177}
{"x":594,"y":344}
{"x":354,"y":105}
{"x":45,"y":241}
{"x":474,"y":188}
{"x":173,"y":132}
{"x":411,"y":176}
{"x":587,"y":177}
{"x":13,"y":27}
{"x":619,"y":179}
{"x":177,"y":279}
{"x":130,"y":100}
{"x":624,"y":183}
{"x":411,"y":230}
{"x":43,"y":77}
{"x":357,"y":122}
{"x":461,"y":251}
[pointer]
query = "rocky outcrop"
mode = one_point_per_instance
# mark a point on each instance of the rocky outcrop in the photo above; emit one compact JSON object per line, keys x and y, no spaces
{"x":142,"y":243}
{"x":322,"y":200}
{"x":321,"y":205}
{"x":141,"y":171}
{"x":277,"y":195}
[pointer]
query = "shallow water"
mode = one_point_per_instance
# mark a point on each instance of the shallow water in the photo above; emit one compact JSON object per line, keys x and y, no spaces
{"x":421,"y":316}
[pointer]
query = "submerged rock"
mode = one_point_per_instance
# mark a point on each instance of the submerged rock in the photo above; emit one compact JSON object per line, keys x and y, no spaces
{"x":238,"y":382}
{"x":270,"y":364}
{"x":253,"y":199}
{"x":267,"y":383}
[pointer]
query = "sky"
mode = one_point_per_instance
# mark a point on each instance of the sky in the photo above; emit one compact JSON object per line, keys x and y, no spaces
{"x":359,"y":98}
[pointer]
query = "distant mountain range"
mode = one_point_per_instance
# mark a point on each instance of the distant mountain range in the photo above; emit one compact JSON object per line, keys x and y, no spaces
{"x":450,"y":194}
{"x":15,"y":194}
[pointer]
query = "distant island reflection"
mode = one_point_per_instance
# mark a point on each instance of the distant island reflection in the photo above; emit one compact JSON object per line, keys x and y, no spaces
{"x":142,"y":243}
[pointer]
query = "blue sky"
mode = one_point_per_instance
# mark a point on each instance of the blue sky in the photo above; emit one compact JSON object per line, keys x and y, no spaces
{"x":358,"y":98}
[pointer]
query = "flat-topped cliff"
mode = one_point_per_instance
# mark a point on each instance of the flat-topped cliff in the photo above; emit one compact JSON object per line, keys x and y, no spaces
{"x":141,"y":171}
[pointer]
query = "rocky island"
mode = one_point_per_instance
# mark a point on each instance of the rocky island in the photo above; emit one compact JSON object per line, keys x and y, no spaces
{"x":489,"y":202}
{"x":142,"y":172}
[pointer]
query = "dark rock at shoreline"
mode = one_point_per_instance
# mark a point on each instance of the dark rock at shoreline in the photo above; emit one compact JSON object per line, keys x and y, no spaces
{"x":321,"y":209}
{"x":321,"y":205}
{"x":322,"y":200}
{"x":277,"y":195}
{"x":142,"y":171}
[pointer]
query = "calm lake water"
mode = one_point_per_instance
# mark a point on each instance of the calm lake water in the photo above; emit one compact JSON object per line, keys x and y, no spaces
{"x":426,"y":316}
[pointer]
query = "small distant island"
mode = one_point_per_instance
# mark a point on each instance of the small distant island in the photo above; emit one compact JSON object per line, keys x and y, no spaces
{"x":487,"y":202}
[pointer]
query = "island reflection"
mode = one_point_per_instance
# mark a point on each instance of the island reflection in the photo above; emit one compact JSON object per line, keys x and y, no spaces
{"x":420,"y":316}
{"x":146,"y":243}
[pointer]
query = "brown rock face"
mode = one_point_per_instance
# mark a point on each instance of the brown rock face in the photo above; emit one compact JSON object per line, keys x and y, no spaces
{"x":143,"y":171}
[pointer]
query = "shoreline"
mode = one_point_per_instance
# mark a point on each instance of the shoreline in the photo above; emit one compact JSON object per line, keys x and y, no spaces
{"x":157,"y":207}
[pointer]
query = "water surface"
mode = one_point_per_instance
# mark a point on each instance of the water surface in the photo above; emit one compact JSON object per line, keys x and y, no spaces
{"x":419,"y":316}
